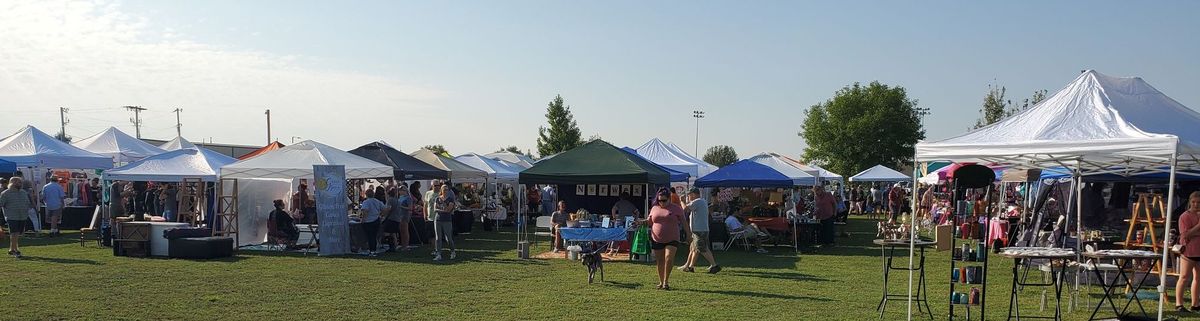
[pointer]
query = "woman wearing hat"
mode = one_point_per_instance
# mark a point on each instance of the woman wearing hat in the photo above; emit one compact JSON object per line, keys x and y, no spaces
{"x":665,"y":220}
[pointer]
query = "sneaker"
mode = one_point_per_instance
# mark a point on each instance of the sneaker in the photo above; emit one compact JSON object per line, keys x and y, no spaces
{"x":434,"y":253}
{"x":714,"y":269}
{"x":18,"y":255}
{"x":366,"y":253}
{"x":437,"y":258}
{"x":453,"y":254}
{"x":373,"y":254}
{"x":12,"y":253}
{"x":687,"y":269}
{"x":761,"y":251}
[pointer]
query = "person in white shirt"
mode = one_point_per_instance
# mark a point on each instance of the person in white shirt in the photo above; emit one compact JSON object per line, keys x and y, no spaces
{"x":371,"y":208}
{"x":697,"y":216}
{"x":733,"y":225}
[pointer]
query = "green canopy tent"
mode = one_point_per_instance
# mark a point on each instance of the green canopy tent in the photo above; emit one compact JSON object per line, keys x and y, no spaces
{"x":596,"y":162}
{"x":594,"y":169}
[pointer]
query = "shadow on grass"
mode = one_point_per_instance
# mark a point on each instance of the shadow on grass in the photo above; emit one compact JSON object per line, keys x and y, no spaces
{"x":67,"y":237}
{"x":747,"y":294}
{"x":59,"y":260}
{"x":623,"y":285}
{"x":792,"y":276}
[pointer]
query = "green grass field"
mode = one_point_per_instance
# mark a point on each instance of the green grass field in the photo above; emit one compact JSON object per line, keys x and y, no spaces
{"x":59,"y":280}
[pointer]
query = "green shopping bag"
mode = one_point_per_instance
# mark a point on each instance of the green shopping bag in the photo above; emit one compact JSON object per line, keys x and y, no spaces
{"x":641,"y":241}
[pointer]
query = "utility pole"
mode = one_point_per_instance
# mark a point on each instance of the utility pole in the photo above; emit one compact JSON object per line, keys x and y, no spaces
{"x":62,"y":119}
{"x":921,"y":112}
{"x":268,"y":126}
{"x":137,"y":118}
{"x":178,"y":124}
{"x":697,"y":114}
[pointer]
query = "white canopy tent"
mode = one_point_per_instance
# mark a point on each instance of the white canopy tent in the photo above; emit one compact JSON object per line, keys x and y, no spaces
{"x":459,"y":172}
{"x":274,"y":175}
{"x":514,"y":158}
{"x":296,"y":161}
{"x":783,"y":166}
{"x":177,"y":143}
{"x":118,"y":145}
{"x":30,"y":147}
{"x":496,"y":171}
{"x":173,"y":166}
{"x":1097,"y":124}
{"x":670,"y":156}
{"x":879,"y":173}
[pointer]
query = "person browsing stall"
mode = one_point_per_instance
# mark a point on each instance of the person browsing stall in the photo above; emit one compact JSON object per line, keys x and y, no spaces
{"x":824,"y":209}
{"x":371,"y":209}
{"x":400,"y":212}
{"x":53,"y":197}
{"x":624,"y":208}
{"x":1189,"y":230}
{"x":443,"y":225}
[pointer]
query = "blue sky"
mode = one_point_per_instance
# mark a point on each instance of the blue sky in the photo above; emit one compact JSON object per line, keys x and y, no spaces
{"x":476,"y":75}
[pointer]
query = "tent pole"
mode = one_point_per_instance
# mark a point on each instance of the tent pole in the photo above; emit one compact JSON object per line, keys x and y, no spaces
{"x":1078,"y":216}
{"x":912,"y":238}
{"x":1162,"y":273}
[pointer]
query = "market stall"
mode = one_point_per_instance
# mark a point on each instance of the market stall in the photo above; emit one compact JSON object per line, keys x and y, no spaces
{"x":1131,"y":129}
{"x":275,"y":174}
{"x":118,"y":145}
{"x":35,"y":153}
{"x":457,"y":171}
{"x":880,"y":173}
{"x":670,"y":156}
{"x":176,"y":143}
{"x":523,"y":161}
{"x":593,"y":177}
{"x":404,"y":167}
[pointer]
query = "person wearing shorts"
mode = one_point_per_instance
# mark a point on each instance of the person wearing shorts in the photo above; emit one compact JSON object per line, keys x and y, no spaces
{"x":665,"y":220}
{"x":53,"y":197}
{"x":696,"y":213}
{"x":16,"y":203}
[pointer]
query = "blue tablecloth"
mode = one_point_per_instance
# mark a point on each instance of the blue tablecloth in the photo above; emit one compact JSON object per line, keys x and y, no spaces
{"x":593,"y":234}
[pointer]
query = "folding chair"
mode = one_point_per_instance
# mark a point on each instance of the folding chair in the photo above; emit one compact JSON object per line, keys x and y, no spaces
{"x":543,"y":222}
{"x":735,"y":236}
{"x":91,"y":227}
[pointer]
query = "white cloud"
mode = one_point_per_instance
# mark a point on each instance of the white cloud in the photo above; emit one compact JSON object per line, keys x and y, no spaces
{"x":88,"y":55}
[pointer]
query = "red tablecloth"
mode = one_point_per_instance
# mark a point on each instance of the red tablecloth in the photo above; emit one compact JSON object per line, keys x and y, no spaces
{"x":771,"y":223}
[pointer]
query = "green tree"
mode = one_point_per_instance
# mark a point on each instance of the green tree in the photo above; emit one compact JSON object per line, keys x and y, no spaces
{"x":996,"y":107}
{"x":438,"y":149}
{"x":720,"y":155}
{"x":862,"y":126}
{"x":563,"y":134}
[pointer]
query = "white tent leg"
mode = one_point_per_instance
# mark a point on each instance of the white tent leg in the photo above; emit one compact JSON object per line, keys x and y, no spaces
{"x":912,"y":238}
{"x":1078,"y":223}
{"x":1162,"y":275}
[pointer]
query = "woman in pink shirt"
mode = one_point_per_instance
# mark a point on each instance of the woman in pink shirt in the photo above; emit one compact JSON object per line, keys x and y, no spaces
{"x":665,"y":220}
{"x":1189,"y":229}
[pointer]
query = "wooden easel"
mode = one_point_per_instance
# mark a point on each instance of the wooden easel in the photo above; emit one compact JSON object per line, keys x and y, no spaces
{"x":1143,"y":215}
{"x":191,"y":200}
{"x":227,"y":209}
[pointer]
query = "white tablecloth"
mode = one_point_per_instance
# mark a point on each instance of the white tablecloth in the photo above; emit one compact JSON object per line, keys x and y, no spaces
{"x":158,"y":243}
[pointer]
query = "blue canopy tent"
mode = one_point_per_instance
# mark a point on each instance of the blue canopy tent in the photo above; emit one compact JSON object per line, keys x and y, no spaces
{"x":676,"y":176}
{"x":7,"y":166}
{"x":746,"y":173}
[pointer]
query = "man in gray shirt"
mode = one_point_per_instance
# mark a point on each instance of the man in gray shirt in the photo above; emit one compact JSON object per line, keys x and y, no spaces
{"x":698,"y":219}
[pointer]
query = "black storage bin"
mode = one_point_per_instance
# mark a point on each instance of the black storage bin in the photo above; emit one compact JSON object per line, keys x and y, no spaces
{"x":201,"y":247}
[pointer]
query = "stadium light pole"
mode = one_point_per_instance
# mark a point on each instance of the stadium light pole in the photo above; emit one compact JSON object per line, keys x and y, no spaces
{"x":697,"y":114}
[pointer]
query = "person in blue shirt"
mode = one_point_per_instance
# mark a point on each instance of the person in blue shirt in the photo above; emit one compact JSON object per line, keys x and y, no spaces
{"x":53,"y":197}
